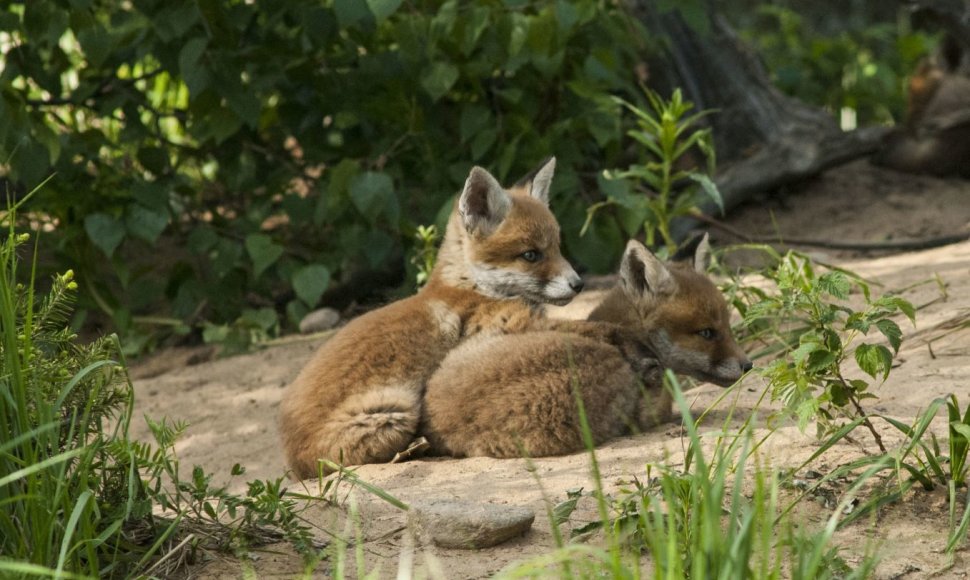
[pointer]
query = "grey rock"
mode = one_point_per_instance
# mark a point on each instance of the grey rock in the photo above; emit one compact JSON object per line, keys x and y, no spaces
{"x":466,"y":524}
{"x":319,"y":320}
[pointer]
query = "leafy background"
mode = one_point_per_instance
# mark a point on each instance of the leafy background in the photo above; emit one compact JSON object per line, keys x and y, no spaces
{"x":219,"y":166}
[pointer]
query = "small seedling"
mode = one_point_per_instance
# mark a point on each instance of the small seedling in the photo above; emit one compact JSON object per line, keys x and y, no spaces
{"x":676,"y":176}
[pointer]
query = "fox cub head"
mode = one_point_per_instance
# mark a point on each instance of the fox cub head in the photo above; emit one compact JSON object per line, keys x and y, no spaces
{"x":680,"y":314}
{"x":510,"y":241}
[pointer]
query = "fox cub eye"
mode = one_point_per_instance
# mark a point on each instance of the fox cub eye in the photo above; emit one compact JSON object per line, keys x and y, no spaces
{"x":531,"y":256}
{"x":708,"y":333}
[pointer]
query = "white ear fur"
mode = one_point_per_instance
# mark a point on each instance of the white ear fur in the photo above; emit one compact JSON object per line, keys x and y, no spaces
{"x":702,"y":255}
{"x":642,"y":275}
{"x":542,"y":181}
{"x":483,"y":204}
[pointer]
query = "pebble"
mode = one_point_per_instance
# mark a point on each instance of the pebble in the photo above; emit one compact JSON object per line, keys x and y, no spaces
{"x":319,"y":320}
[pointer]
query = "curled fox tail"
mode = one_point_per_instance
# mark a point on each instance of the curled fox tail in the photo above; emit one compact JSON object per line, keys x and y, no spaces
{"x":370,"y":427}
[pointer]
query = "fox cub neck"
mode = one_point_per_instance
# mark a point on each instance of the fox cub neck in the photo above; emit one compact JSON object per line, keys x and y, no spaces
{"x":504,"y":243}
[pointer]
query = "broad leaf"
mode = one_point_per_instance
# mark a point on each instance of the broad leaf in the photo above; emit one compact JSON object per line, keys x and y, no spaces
{"x":145,"y":223}
{"x":105,"y":231}
{"x":373,"y":194}
{"x":439,"y":79}
{"x":874,"y":359}
{"x":381,"y":9}
{"x":193,"y":71}
{"x":310,"y":282}
{"x":892,"y":333}
{"x":262,"y":251}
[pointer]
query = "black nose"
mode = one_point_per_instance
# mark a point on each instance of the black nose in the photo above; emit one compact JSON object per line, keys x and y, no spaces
{"x":746,"y":366}
{"x":576,"y":284}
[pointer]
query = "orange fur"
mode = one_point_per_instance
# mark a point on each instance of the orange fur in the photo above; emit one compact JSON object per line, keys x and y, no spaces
{"x":509,"y":395}
{"x":358,"y":400}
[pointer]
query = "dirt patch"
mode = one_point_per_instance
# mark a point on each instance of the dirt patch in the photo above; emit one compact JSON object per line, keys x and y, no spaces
{"x":231,"y":404}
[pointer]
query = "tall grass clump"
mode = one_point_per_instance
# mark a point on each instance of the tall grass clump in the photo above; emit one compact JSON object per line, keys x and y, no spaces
{"x":78,"y":498}
{"x":65,"y":495}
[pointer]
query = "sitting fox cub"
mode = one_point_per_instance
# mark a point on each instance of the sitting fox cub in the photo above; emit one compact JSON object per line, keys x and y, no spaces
{"x":502,"y":396}
{"x":359,"y":399}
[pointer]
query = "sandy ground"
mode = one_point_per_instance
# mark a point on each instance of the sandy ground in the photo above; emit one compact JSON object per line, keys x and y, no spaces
{"x":231,"y":404}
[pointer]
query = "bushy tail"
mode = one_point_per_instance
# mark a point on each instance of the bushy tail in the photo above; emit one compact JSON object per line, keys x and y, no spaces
{"x":367,"y":428}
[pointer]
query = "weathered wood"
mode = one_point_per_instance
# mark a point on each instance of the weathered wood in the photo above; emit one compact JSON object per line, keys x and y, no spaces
{"x":764,"y":138}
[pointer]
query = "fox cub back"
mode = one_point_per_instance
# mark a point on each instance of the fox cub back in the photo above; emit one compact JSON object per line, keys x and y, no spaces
{"x":505,"y":396}
{"x":358,"y":400}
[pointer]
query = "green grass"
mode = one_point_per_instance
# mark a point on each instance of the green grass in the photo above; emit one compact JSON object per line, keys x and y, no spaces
{"x":720,"y":516}
{"x":78,"y":497}
{"x":65,"y":495}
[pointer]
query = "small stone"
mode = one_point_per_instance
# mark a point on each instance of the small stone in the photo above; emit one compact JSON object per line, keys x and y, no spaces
{"x":468,"y":525}
{"x":319,"y":320}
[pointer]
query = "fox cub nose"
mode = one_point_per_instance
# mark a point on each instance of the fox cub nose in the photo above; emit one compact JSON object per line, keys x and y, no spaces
{"x":576,"y":284}
{"x":746,"y":366}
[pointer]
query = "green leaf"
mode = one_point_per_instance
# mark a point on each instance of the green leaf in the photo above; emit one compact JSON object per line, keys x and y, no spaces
{"x":709,"y":187}
{"x":891,"y":331}
{"x":144,"y":223}
{"x":262,"y":251}
{"x":350,"y":12}
{"x":439,"y":79}
{"x":263,"y":318}
{"x":820,"y":360}
{"x":619,"y":190}
{"x":310,"y":282}
{"x":381,"y":9}
{"x":564,"y":509}
{"x":105,"y":231}
{"x":96,"y":44}
{"x":194,"y":73}
{"x":377,"y":247}
{"x":904,"y":306}
{"x":215,"y":333}
{"x":154,"y":159}
{"x":962,"y":428}
{"x":242,"y":101}
{"x":373,"y":194}
{"x":874,"y":360}
{"x":201,"y":239}
{"x":483,"y":142}
{"x":835,"y":284}
{"x":473,"y":119}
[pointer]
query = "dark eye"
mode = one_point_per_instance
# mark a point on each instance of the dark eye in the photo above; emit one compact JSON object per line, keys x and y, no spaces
{"x":707,"y":333}
{"x":531,"y":256}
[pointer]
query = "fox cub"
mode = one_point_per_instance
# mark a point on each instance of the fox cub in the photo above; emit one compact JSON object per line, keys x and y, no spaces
{"x":935,"y":138}
{"x":505,"y":396}
{"x":358,"y":400}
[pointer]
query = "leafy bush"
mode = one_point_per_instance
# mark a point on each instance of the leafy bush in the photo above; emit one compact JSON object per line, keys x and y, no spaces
{"x":808,"y":312}
{"x":212,"y":159}
{"x":859,"y":62}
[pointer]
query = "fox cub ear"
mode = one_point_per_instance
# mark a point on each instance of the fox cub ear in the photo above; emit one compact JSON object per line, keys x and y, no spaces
{"x":538,"y":181}
{"x":642,"y":275}
{"x":483,"y":203}
{"x":696,"y":251}
{"x":543,"y":180}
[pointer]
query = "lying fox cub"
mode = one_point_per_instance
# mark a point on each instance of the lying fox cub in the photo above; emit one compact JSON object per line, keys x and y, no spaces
{"x":509,"y":395}
{"x":358,"y":400}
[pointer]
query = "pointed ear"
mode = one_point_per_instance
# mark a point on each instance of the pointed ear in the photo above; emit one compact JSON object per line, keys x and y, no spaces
{"x":696,"y":251}
{"x":542,"y":181}
{"x":483,"y":204}
{"x":642,"y":275}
